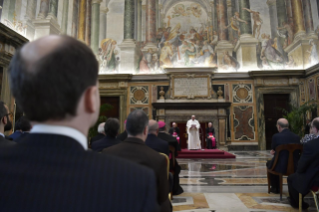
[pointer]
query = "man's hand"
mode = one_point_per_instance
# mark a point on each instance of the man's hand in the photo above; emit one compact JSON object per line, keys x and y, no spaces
{"x":272,"y":152}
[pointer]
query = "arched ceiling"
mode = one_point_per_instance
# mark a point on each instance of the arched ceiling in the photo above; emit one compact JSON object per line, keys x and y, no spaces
{"x":167,"y":4}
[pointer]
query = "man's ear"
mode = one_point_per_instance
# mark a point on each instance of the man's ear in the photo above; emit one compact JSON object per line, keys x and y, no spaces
{"x":145,"y":132}
{"x":91,"y":97}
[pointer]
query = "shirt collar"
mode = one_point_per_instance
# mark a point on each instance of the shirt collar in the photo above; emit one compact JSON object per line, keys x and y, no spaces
{"x":1,"y":134}
{"x":61,"y":130}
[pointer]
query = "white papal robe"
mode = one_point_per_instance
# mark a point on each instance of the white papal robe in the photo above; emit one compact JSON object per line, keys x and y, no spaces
{"x":193,"y":134}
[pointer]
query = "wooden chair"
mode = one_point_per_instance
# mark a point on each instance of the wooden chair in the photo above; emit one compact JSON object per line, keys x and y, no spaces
{"x":315,"y":193}
{"x":291,"y":148}
{"x":167,"y":163}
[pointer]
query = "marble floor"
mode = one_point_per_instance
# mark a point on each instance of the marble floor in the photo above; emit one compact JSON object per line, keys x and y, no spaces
{"x":230,"y":185}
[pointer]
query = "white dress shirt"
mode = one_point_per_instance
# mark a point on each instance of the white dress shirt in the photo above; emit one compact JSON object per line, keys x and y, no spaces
{"x":61,"y":130}
{"x":1,"y":134}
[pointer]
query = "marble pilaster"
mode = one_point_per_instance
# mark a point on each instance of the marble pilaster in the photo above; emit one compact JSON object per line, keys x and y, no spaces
{"x":298,"y":19}
{"x":95,"y":25}
{"x":29,"y":16}
{"x":245,"y":29}
{"x":53,"y":9}
{"x":230,"y":12}
{"x":214,"y":15}
{"x":143,"y":27}
{"x":44,"y":27}
{"x":139,"y":20}
{"x":128,"y":46}
{"x":44,"y":9}
{"x":88,"y":25}
{"x":103,"y":22}
{"x":150,"y":25}
{"x":222,"y":19}
{"x":289,"y":9}
{"x":12,"y":8}
{"x":308,"y":17}
{"x":246,"y":46}
{"x":64,"y":24}
{"x":82,"y":20}
{"x":273,"y":17}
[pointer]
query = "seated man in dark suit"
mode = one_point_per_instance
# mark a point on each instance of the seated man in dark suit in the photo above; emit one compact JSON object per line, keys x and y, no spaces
{"x":162,"y":134}
{"x":307,"y":173}
{"x":123,"y":135}
{"x":111,"y":129}
{"x":24,"y":126}
{"x":153,"y":141}
{"x":5,"y":124}
{"x":100,"y":133}
{"x":135,"y":150}
{"x":283,"y":137}
{"x":174,"y":129}
{"x":55,"y":81}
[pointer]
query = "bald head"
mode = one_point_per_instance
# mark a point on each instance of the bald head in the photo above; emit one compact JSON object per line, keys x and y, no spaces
{"x":153,"y":127}
{"x":38,"y":49}
{"x":315,"y":126}
{"x":49,"y":76}
{"x":282,"y":124}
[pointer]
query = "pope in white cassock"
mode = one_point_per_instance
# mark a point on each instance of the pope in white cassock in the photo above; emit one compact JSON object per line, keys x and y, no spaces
{"x":193,"y":133}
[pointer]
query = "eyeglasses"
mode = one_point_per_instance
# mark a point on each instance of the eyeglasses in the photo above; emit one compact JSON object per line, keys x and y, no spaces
{"x":9,"y":114}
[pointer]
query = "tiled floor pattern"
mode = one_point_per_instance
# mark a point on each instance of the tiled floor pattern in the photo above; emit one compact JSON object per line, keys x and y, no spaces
{"x":229,"y":185}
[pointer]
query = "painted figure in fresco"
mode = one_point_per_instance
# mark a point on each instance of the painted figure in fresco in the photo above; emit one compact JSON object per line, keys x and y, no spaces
{"x":165,"y":36}
{"x":291,"y":62}
{"x":148,"y":57}
{"x":144,"y":65}
{"x":289,"y":28}
{"x":194,"y":36}
{"x":189,"y":52}
{"x":108,"y":54}
{"x":159,"y":34}
{"x":257,"y":22}
{"x":229,"y":62}
{"x":198,"y":47}
{"x":273,"y":57}
{"x":154,"y":64}
{"x":214,"y":39}
{"x":206,"y":55}
{"x":234,"y":24}
{"x":265,"y":63}
{"x":53,"y":7}
{"x":166,"y":54}
{"x":317,"y":31}
{"x":313,"y":54}
{"x":195,"y":10}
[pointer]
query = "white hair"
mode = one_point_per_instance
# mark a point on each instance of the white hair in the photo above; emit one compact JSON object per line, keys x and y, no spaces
{"x":100,"y":128}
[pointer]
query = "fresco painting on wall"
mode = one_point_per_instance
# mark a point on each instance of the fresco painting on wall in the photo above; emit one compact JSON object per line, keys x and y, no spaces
{"x":232,"y":35}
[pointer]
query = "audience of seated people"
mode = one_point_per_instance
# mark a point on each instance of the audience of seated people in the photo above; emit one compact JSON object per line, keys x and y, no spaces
{"x":285,"y":136}
{"x":100,"y":133}
{"x":111,"y":129}
{"x":123,"y":135}
{"x":153,"y":141}
{"x":135,"y":150}
{"x":50,"y":169}
{"x":5,"y":125}
{"x":22,"y":127}
{"x":307,"y":174}
{"x":162,"y":134}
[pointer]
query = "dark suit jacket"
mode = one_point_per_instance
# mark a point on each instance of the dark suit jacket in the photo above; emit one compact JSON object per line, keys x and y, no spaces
{"x":208,"y":130}
{"x":99,"y":136}
{"x":14,"y":136}
{"x":157,"y":144}
{"x":285,"y":137}
{"x":122,"y":136}
{"x":5,"y":142}
{"x":176,"y":129}
{"x":135,"y":150}
{"x":105,"y":142}
{"x":47,"y":172}
{"x":308,"y":167}
{"x":170,"y":139}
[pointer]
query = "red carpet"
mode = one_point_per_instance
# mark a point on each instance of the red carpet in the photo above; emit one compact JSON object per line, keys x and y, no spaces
{"x":206,"y":153}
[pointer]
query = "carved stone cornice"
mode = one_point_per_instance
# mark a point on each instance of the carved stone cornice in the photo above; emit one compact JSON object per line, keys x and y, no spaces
{"x":282,"y":73}
{"x":191,"y":105}
{"x":115,"y":77}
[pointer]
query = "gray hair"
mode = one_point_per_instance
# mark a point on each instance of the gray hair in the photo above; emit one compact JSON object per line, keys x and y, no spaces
{"x":100,"y":128}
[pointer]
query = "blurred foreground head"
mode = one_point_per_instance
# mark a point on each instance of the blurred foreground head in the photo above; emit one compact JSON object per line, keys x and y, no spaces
{"x":54,"y":79}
